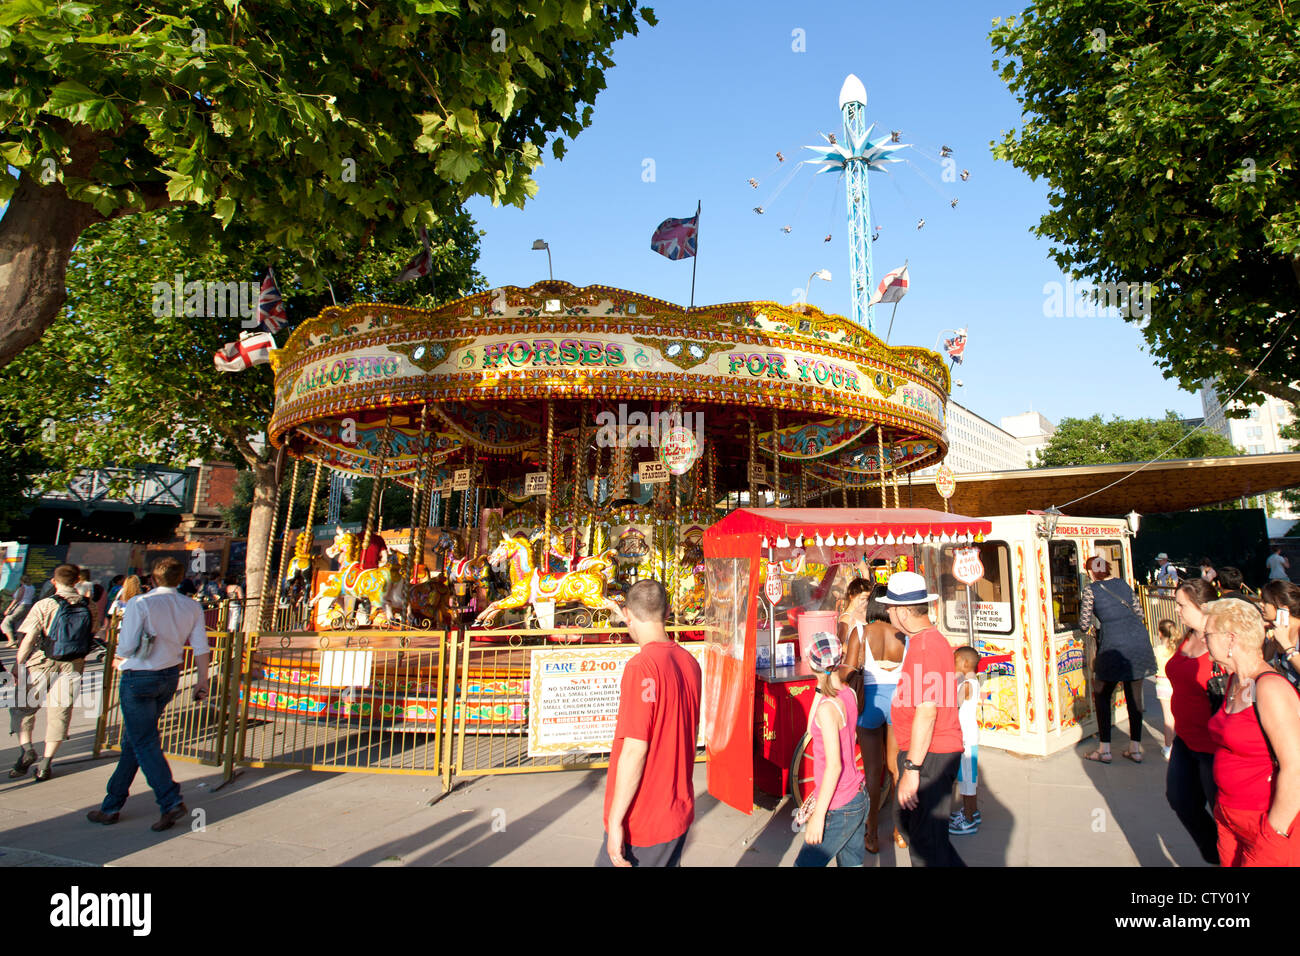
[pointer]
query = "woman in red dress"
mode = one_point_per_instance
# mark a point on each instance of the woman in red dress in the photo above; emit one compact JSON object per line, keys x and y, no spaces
{"x":1257,"y":765}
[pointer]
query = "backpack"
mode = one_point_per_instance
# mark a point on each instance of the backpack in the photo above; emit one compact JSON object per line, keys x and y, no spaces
{"x":70,"y":633}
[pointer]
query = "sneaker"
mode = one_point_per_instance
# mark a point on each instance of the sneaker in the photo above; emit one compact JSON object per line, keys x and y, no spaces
{"x":975,"y":818}
{"x":962,"y":826}
{"x":24,"y":763}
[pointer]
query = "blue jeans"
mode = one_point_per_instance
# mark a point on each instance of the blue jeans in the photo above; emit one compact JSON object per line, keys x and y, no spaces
{"x":143,"y":694}
{"x":842,"y":838}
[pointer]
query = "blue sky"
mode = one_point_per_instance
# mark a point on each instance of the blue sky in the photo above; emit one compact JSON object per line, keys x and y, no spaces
{"x":715,"y":90}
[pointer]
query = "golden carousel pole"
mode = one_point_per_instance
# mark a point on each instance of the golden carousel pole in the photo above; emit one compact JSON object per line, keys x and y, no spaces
{"x":880,"y":457}
{"x":417,"y":502}
{"x":583,"y":511}
{"x":776,"y":462}
{"x":373,"y":510}
{"x":550,"y":481}
{"x":753,"y":460}
{"x":266,"y":608}
{"x":894,"y":474}
{"x":288,"y":527}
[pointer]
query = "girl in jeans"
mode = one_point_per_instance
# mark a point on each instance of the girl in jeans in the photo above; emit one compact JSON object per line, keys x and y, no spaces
{"x":839,"y":820}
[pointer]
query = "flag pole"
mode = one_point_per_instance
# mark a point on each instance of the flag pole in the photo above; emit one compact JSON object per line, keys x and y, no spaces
{"x":895,"y":312}
{"x":695,"y":258}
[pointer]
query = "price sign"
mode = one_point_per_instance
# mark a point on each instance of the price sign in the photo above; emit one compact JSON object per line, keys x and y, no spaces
{"x":945,"y":482}
{"x":652,"y":472}
{"x":966,"y":566}
{"x":537,"y":483}
{"x":773,"y":588}
{"x":445,"y":487}
{"x":678,"y":449}
{"x":757,"y":474}
{"x":460,"y":479}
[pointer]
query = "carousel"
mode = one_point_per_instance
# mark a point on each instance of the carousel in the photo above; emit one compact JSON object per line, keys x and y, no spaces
{"x":561,"y":443}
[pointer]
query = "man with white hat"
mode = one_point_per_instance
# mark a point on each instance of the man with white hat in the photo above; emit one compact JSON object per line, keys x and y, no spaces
{"x":924,"y":718}
{"x":1167,"y":576}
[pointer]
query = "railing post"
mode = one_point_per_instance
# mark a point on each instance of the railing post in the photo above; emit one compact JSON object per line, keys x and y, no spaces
{"x":231,"y":725}
{"x":106,"y":691}
{"x":447,"y":716}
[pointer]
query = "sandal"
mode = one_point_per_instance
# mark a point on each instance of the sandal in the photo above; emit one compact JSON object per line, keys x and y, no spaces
{"x":872,"y":842}
{"x":1098,"y":757}
{"x":899,"y":840}
{"x":1130,"y":755}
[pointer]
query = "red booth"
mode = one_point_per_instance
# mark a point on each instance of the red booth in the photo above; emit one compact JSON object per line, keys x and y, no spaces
{"x":764,"y":567}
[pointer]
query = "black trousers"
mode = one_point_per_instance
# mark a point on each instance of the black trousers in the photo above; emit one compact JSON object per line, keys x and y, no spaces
{"x":1190,"y":790}
{"x":1132,"y":698}
{"x":927,"y":825}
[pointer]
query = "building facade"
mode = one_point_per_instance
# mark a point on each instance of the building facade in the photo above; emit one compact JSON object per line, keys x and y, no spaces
{"x":976,"y":445}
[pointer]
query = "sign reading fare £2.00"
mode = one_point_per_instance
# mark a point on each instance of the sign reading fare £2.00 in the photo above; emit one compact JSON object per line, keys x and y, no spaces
{"x":573,"y":698}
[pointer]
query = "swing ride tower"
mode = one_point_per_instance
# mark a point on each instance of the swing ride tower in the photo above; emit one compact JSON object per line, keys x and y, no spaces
{"x":855,"y":157}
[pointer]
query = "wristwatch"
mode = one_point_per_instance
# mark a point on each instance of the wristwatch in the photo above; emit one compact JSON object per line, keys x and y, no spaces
{"x":908,"y":765}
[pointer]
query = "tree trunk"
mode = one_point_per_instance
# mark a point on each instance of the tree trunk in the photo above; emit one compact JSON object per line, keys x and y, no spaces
{"x":257,"y":575}
{"x":37,"y":234}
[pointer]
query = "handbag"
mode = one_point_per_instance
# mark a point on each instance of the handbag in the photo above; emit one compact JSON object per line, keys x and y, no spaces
{"x":805,"y":810}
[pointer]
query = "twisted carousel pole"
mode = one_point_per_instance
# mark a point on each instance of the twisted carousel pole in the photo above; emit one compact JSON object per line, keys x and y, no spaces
{"x":753,"y":460}
{"x":372,"y":511}
{"x":880,"y":457}
{"x":266,"y":609}
{"x":288,"y":526}
{"x":776,"y":461}
{"x":550,"y":481}
{"x":417,"y":502}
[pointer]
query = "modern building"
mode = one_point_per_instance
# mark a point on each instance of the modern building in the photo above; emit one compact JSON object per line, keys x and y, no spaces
{"x":1032,"y":429}
{"x":975,"y":444}
{"x":1257,"y":433}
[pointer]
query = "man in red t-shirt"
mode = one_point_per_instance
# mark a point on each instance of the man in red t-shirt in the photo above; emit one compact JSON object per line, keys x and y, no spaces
{"x":650,"y":790}
{"x":924,"y":718}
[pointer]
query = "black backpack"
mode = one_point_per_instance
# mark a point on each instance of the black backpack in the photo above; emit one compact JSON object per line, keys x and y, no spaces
{"x":71,"y":632}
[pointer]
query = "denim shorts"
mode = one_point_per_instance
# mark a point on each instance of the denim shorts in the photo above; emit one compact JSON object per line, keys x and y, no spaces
{"x":842,"y":838}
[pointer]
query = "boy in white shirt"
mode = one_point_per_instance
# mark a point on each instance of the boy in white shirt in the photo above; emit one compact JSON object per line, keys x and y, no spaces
{"x":967,"y":819}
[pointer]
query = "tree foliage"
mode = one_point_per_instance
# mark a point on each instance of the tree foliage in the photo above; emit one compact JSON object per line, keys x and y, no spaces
{"x":308,"y":124}
{"x":1092,"y":441}
{"x":1167,"y":134}
{"x":115,"y":383}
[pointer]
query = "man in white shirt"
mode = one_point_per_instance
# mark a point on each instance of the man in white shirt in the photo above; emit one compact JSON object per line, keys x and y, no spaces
{"x":1167,"y":576}
{"x":17,"y":610}
{"x":150,"y":648}
{"x":1278,"y":565}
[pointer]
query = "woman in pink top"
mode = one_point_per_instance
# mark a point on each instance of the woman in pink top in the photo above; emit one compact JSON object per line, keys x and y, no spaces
{"x":839,"y":820}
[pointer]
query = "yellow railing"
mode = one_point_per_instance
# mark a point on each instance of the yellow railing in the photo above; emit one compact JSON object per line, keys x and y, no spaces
{"x":369,"y":701}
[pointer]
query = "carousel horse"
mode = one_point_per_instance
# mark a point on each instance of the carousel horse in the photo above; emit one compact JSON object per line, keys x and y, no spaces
{"x":384,"y":588}
{"x":528,"y":585}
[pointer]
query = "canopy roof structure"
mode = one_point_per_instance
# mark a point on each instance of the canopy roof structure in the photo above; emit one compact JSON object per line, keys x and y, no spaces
{"x":797,"y":523}
{"x":1164,"y":486}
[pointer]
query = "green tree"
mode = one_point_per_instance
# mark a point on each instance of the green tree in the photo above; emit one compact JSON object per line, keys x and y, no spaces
{"x":308,"y":124}
{"x":1092,"y":441}
{"x":1166,"y":133}
{"x":119,"y":381}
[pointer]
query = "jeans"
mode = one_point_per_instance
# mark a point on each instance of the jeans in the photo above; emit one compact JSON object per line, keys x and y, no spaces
{"x":144,"y":694}
{"x":927,"y":825}
{"x":1190,"y":790}
{"x":842,"y":838}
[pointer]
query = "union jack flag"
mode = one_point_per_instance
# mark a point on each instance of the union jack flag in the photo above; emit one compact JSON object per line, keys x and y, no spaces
{"x":675,"y":238}
{"x":271,"y":314}
{"x":422,"y":264}
{"x":955,"y":346}
{"x":253,"y":348}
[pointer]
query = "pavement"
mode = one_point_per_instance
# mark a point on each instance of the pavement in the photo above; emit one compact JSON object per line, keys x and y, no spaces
{"x":1050,"y":811}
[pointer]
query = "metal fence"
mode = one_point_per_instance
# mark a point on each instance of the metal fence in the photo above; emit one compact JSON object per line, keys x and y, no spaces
{"x":372,"y":701}
{"x":1157,"y":605}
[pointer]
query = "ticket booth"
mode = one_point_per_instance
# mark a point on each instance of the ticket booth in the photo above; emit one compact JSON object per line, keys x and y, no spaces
{"x":1037,"y":687}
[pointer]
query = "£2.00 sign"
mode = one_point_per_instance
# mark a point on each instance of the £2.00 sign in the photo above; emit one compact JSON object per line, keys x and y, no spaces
{"x":966,"y":566}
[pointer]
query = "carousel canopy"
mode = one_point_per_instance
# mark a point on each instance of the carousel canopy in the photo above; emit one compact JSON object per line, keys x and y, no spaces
{"x":808,"y":522}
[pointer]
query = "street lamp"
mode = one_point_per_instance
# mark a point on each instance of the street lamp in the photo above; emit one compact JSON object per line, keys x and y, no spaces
{"x":540,"y":244}
{"x":823,"y":274}
{"x":1134,"y":520}
{"x":1050,"y":517}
